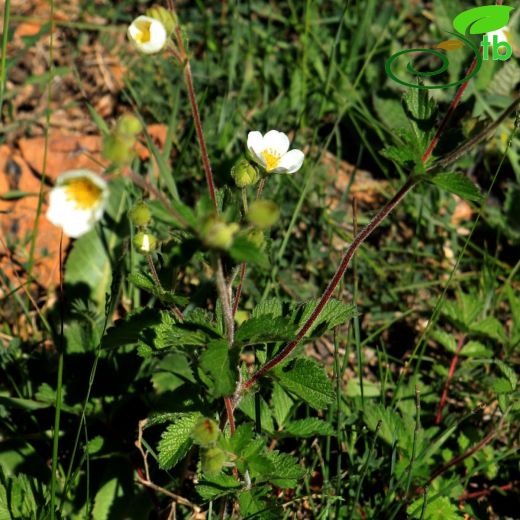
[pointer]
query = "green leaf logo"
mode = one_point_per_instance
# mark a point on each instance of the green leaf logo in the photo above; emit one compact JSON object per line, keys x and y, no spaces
{"x":481,"y":20}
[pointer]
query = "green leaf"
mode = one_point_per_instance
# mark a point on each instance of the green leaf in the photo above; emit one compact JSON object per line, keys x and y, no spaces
{"x":489,"y":327}
{"x":217,"y":361}
{"x":501,"y":385}
{"x":216,"y":486}
{"x":440,"y":508}
{"x":239,"y":441}
{"x":282,"y":404}
{"x":264,"y":329}
{"x":480,"y":20}
{"x":253,"y":505}
{"x":458,"y":184}
{"x":147,"y":283}
{"x":248,"y":406}
{"x":370,"y":388}
{"x":421,"y":112}
{"x":176,"y":440}
{"x":306,"y":379}
{"x":508,"y":372}
{"x":445,"y":339}
{"x":107,"y":494}
{"x":243,"y":250}
{"x":333,"y":314}
{"x":287,"y":472}
{"x":270,"y":307}
{"x":403,"y":155}
{"x":475,"y":349}
{"x":126,"y":331}
{"x":309,"y":427}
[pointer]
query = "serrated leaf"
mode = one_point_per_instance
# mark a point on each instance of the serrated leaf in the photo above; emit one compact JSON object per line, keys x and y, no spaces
{"x":309,"y":427}
{"x":147,"y":283}
{"x":176,"y":440}
{"x":216,"y":486}
{"x":271,"y":306}
{"x":475,"y":349}
{"x":282,"y":404}
{"x":440,"y":508}
{"x":306,"y":379}
{"x":402,"y":155}
{"x":217,"y":361}
{"x":264,"y":329}
{"x":445,"y":339}
{"x":287,"y":472}
{"x":421,"y":112}
{"x":242,"y":437}
{"x":253,"y":505}
{"x":458,"y":184}
{"x":126,"y":331}
{"x":333,"y":314}
{"x":508,"y":372}
{"x":489,"y":327}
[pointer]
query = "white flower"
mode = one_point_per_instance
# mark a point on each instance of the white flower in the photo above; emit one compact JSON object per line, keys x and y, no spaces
{"x":270,"y":152}
{"x":147,"y":34}
{"x":503,"y":35}
{"x":77,"y":202}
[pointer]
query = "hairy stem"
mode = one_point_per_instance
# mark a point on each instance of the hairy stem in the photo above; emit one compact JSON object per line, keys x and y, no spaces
{"x":223,"y":294}
{"x":354,"y":246}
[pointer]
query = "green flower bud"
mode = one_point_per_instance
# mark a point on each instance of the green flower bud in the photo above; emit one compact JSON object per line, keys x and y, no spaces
{"x":165,"y":16}
{"x":244,"y":173}
{"x":213,"y":460}
{"x":140,"y":214}
{"x":117,"y":149}
{"x":263,"y":213}
{"x":145,"y":243}
{"x":241,"y":316}
{"x":205,"y":432}
{"x":218,"y":234}
{"x":128,"y":125}
{"x":257,"y":237}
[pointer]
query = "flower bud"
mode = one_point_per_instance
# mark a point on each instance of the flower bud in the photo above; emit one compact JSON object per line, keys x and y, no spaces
{"x":205,"y":432}
{"x":117,"y":149}
{"x":147,"y":34}
{"x":244,"y":173}
{"x":218,"y":234}
{"x":140,"y":214}
{"x":213,"y":460}
{"x":241,"y":316}
{"x":165,"y":16}
{"x":263,"y":213}
{"x":145,"y":243}
{"x":257,"y":237}
{"x":128,"y":125}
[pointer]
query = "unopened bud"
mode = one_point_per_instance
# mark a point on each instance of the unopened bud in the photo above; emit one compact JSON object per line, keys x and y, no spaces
{"x":263,"y":213}
{"x":218,"y":234}
{"x":165,"y":16}
{"x":140,"y":214}
{"x":213,"y":460}
{"x":128,"y":125}
{"x":117,"y":149}
{"x":257,"y":237}
{"x":145,"y":243}
{"x":244,"y":173}
{"x":205,"y":432}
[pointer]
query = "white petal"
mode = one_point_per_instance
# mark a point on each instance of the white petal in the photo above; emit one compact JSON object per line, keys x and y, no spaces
{"x":255,"y":145}
{"x":158,"y":35}
{"x":291,"y":162}
{"x":276,"y":141}
{"x":79,"y":225}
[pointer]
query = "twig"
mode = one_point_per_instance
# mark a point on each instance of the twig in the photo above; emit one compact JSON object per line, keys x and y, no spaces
{"x":145,"y":481}
{"x":453,"y":365}
{"x":486,"y":492}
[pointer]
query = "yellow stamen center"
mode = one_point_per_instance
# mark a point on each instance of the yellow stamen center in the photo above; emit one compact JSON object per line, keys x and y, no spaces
{"x":272,"y":159}
{"x":83,"y":192}
{"x":143,"y":36}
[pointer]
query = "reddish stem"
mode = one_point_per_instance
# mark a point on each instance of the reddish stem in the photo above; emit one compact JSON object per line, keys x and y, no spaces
{"x":453,"y":365}
{"x":188,"y":78}
{"x":243,"y":267}
{"x":229,"y":410}
{"x":354,"y":246}
{"x":486,"y":492}
{"x":444,"y":123}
